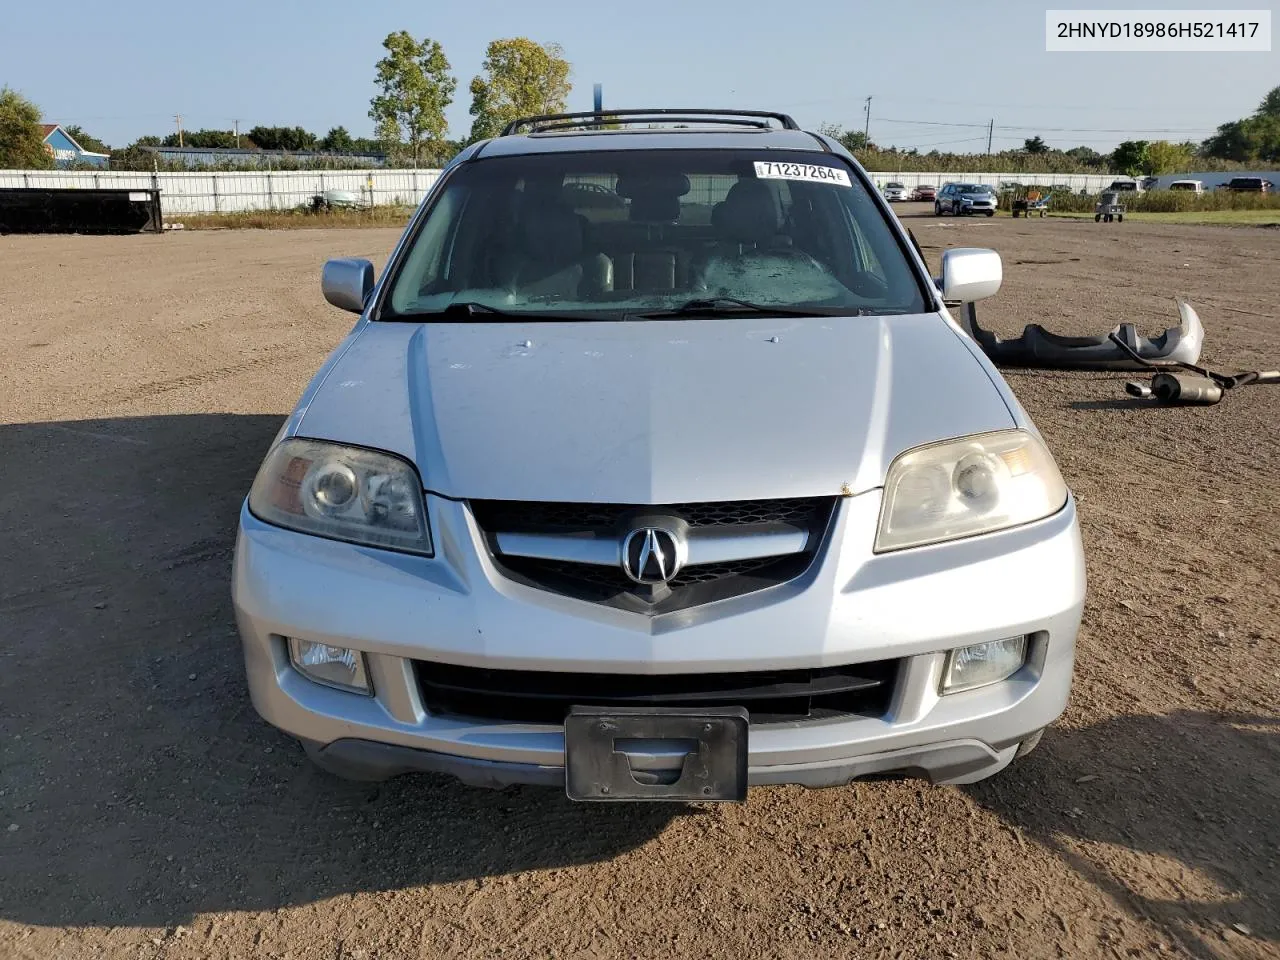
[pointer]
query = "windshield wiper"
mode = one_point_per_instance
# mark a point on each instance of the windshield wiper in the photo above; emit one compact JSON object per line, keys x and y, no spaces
{"x":713,"y":306}
{"x":470,"y":308}
{"x":460,"y":310}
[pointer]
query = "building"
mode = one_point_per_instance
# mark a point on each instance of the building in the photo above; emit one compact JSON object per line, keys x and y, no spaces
{"x":224,"y":157}
{"x":66,"y":152}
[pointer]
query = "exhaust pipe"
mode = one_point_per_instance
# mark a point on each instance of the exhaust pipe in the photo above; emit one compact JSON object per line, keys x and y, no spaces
{"x":1185,"y":388}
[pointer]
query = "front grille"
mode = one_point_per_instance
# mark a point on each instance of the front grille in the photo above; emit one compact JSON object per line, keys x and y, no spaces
{"x":695,"y":584}
{"x":535,"y":516}
{"x":769,"y":696}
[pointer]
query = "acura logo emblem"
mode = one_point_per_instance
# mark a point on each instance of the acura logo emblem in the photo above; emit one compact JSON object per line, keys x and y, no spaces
{"x":653,"y":555}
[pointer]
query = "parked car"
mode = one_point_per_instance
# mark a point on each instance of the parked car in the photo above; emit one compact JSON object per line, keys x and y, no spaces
{"x":1188,"y":186}
{"x":659,"y":520}
{"x":961,"y":199}
{"x":926,"y":192}
{"x":894,"y":191}
{"x":1126,"y":185}
{"x":1248,"y":185}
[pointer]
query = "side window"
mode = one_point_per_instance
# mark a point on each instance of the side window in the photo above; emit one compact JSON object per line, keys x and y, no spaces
{"x":430,"y":251}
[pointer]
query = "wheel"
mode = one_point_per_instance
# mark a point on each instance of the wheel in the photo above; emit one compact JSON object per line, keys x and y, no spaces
{"x":991,"y":213}
{"x":1120,"y":217}
{"x":937,"y":209}
{"x":1029,"y":744}
{"x":1106,"y":218}
{"x":1041,"y":214}
{"x":1097,"y":217}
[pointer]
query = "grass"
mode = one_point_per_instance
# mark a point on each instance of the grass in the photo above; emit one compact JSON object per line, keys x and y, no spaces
{"x":1251,"y":218}
{"x":294,"y":219}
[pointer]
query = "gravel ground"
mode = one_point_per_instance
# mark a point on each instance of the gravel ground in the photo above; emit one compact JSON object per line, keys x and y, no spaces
{"x":145,"y":811}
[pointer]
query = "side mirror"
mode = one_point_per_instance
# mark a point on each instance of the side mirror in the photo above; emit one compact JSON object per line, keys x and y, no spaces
{"x":969,"y":274}
{"x":347,"y":283}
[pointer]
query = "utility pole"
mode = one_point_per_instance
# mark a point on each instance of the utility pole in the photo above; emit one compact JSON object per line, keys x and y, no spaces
{"x":866,"y":129}
{"x":991,"y":127}
{"x":177,"y":118}
{"x":237,"y":126}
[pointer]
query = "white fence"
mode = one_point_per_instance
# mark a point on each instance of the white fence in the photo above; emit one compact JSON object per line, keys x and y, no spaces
{"x":237,"y":191}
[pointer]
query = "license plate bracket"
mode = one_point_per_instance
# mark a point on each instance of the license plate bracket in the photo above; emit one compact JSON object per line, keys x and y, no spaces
{"x":610,"y":751}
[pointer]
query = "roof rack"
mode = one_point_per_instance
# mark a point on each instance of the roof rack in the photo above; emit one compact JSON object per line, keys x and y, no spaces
{"x":591,"y":119}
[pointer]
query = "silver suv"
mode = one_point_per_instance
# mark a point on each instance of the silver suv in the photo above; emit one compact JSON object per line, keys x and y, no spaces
{"x":962,"y":199}
{"x":655,"y":467}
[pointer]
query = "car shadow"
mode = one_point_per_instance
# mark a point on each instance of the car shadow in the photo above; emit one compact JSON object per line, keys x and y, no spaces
{"x":137,"y":784}
{"x":1112,"y":800}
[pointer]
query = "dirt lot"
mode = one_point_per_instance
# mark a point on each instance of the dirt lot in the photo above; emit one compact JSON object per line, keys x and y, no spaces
{"x":145,"y":811}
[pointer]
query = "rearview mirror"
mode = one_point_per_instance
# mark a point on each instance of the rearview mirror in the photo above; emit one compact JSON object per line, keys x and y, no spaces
{"x":347,"y":283}
{"x":969,"y":274}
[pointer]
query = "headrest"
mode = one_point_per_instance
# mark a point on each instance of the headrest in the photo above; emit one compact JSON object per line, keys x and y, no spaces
{"x":748,"y":214}
{"x":550,"y":234}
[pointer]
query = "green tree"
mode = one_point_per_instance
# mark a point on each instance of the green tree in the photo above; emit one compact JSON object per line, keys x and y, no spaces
{"x":521,"y":79}
{"x":1165,"y":157}
{"x":86,"y":140}
{"x":851,"y":140}
{"x":282,"y":138}
{"x":338,"y":140}
{"x":1130,"y":157}
{"x":1035,"y":145}
{"x":1270,"y":105}
{"x":216,"y":139}
{"x":417,"y":88}
{"x":1086,"y":156}
{"x":21,"y":137}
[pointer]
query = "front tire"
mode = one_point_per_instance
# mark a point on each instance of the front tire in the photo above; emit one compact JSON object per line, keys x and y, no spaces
{"x":991,"y":213}
{"x":1029,"y":744}
{"x":1120,"y":217}
{"x":937,"y":209}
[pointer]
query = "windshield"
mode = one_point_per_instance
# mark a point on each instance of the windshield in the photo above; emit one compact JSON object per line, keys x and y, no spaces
{"x":613,"y":234}
{"x":895,"y":186}
{"x":973,"y":188}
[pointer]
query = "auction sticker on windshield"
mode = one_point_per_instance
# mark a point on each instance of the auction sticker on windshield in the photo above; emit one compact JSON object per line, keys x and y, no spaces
{"x":773,"y":170}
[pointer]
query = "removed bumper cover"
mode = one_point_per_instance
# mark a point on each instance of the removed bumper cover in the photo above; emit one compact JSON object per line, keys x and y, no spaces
{"x":1038,"y":347}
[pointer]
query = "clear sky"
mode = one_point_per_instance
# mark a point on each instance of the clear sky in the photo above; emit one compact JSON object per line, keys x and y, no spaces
{"x":123,"y":69}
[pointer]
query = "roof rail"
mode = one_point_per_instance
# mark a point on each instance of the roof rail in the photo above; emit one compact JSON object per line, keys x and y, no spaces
{"x":590,"y":119}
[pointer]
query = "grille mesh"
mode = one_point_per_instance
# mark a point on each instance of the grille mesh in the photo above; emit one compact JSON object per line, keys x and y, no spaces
{"x":530,"y":516}
{"x":701,"y":583}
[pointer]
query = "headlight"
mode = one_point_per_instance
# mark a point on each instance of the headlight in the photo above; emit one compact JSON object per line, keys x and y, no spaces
{"x":961,"y":488}
{"x":344,"y":493}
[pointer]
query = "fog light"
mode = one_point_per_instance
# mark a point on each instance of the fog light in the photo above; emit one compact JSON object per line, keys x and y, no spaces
{"x":983,"y":663}
{"x":339,"y":667}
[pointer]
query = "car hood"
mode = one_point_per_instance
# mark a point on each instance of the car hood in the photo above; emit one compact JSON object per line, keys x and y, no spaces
{"x":654,"y":411}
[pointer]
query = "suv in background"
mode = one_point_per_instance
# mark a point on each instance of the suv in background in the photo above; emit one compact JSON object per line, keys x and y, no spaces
{"x":1248,"y":185}
{"x":962,"y":199}
{"x":625,"y":482}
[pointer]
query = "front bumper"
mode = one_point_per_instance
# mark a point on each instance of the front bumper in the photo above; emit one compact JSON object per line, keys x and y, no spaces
{"x":850,"y":607}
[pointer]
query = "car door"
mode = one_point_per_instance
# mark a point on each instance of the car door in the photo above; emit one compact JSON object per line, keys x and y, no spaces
{"x":944,"y":198}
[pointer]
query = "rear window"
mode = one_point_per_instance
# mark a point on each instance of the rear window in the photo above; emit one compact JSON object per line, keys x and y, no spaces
{"x":604,"y":234}
{"x":1252,"y":183}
